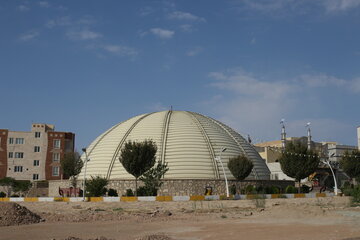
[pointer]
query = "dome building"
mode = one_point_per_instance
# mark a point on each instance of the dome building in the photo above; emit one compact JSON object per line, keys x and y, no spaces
{"x":188,"y":142}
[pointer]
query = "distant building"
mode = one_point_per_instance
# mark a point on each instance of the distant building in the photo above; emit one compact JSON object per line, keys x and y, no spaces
{"x":336,"y":151}
{"x":34,"y":155}
{"x":271,"y":152}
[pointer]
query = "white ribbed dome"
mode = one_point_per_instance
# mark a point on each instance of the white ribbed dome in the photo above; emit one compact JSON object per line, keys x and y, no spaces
{"x":187,"y":141}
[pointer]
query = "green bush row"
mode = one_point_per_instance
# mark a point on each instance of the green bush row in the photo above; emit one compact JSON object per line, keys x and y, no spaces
{"x":353,"y":191}
{"x":250,"y":189}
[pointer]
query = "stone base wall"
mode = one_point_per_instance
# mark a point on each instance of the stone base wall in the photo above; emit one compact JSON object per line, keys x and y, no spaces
{"x":179,"y":187}
{"x":54,"y":186}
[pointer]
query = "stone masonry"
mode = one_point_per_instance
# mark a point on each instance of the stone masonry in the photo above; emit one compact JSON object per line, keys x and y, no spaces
{"x":175,"y":187}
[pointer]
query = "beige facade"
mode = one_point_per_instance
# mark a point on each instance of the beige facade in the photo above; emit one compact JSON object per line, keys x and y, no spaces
{"x":34,"y":155}
{"x":24,"y":161}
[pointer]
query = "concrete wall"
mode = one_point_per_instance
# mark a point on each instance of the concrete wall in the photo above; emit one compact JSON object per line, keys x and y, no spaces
{"x":173,"y":187}
{"x":275,"y":170}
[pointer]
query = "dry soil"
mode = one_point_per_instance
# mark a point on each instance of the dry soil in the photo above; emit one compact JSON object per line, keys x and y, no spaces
{"x":318,"y":218}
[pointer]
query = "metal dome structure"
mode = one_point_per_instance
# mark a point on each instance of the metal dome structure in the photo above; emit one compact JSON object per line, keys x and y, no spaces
{"x":189,"y":142}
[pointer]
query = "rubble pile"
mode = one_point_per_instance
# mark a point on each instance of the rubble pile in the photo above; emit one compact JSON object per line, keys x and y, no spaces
{"x":14,"y":214}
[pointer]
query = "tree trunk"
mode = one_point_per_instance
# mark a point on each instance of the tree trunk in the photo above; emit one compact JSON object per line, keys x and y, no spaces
{"x":299,"y":188}
{"x":135,"y":187}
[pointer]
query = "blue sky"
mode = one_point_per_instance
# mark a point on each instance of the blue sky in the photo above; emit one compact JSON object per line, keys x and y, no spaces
{"x":87,"y":65}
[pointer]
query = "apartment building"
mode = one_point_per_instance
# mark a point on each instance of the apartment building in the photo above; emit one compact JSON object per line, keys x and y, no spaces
{"x":34,"y":155}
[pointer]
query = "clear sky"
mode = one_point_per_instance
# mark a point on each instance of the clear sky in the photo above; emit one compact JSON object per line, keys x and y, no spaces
{"x":87,"y":65}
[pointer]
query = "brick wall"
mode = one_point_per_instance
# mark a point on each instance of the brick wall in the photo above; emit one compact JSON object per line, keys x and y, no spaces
{"x":3,"y":152}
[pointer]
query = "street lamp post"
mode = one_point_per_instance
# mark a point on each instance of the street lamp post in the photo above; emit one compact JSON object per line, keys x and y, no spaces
{"x":335,"y":182}
{"x":222,"y":166}
{"x":86,"y":160}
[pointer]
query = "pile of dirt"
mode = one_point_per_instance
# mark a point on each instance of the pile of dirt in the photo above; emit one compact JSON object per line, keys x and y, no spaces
{"x":75,"y":238}
{"x":154,"y":237}
{"x":14,"y":214}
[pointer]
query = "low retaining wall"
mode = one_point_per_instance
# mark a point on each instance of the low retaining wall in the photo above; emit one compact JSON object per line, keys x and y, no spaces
{"x":176,"y":187}
{"x":165,"y":198}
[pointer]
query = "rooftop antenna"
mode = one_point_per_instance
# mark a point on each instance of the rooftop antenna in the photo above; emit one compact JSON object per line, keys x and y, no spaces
{"x":308,"y":135}
{"x":249,"y":138}
{"x":283,"y":134}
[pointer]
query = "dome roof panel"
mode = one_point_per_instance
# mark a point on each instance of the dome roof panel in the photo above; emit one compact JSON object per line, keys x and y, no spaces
{"x":187,"y":141}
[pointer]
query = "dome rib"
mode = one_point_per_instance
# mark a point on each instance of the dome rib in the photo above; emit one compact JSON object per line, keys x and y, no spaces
{"x":101,"y":138}
{"x":117,"y":150}
{"x":229,"y":132}
{"x":208,"y":143}
{"x":165,"y":135}
{"x":187,"y":141}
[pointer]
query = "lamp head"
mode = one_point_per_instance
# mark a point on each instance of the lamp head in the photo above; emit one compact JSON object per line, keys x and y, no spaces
{"x":84,"y":150}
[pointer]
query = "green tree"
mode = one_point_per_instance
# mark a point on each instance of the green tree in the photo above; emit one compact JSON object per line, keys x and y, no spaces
{"x":240,"y":167}
{"x":8,"y":183}
{"x":22,"y":186}
{"x":298,"y":162}
{"x":96,"y":186}
{"x":152,"y":178}
{"x":350,"y":163}
{"x":138,"y":157}
{"x":71,"y":166}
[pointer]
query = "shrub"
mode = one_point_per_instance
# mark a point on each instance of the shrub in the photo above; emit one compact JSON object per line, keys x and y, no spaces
{"x":282,"y":196}
{"x":2,"y":194}
{"x":275,"y":190}
{"x":232,"y":189}
{"x":129,"y":193}
{"x":260,"y":189}
{"x":290,"y":189}
{"x":146,"y":191}
{"x":249,"y":189}
{"x":95,"y":187}
{"x":153,"y":179}
{"x":272,"y":190}
{"x":353,"y":191}
{"x":112,"y":193}
{"x":356,"y":194}
{"x":347,"y":191}
{"x":305,"y":189}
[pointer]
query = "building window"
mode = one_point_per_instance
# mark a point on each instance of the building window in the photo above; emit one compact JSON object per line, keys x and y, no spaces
{"x":19,"y":141}
{"x":11,"y":140}
{"x":11,"y":154}
{"x":18,"y":169}
{"x":55,"y":171}
{"x":36,"y":162}
{"x":35,"y":176}
{"x":57,"y":143}
{"x":37,"y":134}
{"x":56,"y":157}
{"x":19,"y":155}
{"x":36,"y":149}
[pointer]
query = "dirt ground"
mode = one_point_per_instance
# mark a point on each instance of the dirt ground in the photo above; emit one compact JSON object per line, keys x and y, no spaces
{"x":317,"y":218}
